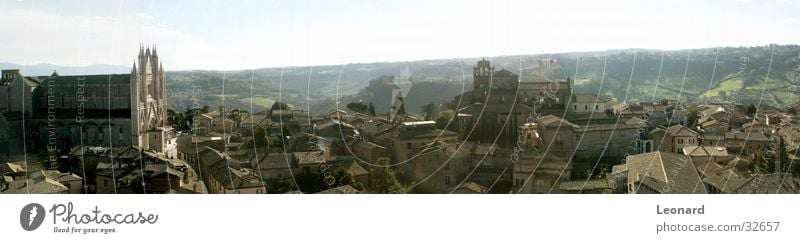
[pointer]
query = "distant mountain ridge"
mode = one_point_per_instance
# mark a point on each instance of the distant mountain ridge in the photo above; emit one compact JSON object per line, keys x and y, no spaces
{"x":692,"y":75}
{"x":44,"y":69}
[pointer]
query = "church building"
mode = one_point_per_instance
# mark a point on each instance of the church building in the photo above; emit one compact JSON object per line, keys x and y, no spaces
{"x":56,"y":113}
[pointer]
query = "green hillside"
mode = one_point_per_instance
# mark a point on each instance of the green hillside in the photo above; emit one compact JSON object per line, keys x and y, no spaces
{"x":695,"y":76}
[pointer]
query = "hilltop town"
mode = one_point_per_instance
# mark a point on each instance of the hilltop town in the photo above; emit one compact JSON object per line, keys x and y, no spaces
{"x":110,"y":134}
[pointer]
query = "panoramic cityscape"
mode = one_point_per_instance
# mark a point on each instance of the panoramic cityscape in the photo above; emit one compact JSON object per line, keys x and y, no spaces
{"x":645,"y":113}
{"x":533,"y":128}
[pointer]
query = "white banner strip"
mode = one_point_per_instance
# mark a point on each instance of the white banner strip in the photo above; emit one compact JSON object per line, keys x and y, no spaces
{"x":398,"y":218}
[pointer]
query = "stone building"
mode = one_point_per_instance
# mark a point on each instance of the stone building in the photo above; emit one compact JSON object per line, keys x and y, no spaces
{"x":674,"y":138}
{"x":16,"y":107}
{"x":499,"y":102}
{"x":658,"y":173}
{"x":590,"y":138}
{"x":56,"y":112}
{"x":540,"y":172}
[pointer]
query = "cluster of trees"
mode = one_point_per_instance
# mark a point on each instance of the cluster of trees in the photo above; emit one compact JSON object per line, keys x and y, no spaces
{"x":316,"y":181}
{"x":279,"y":106}
{"x":183,"y":121}
{"x":383,"y":179}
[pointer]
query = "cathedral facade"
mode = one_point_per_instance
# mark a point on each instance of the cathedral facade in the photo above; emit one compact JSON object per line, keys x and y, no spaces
{"x":148,"y":98}
{"x":56,"y":113}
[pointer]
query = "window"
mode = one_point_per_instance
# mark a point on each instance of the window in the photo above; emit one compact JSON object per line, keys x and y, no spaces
{"x":447,"y":166}
{"x":408,"y":145}
{"x":680,"y":141}
{"x":447,"y":180}
{"x":596,"y":107}
{"x":586,"y":107}
{"x":575,"y":107}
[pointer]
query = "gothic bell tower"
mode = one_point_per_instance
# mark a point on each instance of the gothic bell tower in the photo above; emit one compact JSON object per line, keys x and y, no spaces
{"x":148,"y":101}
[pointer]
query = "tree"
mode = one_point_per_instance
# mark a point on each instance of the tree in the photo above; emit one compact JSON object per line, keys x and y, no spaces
{"x":182,"y":121}
{"x":784,"y":155}
{"x":429,"y":109}
{"x":358,"y":107}
{"x":327,"y":177}
{"x":280,"y":186}
{"x":792,"y":111}
{"x":692,"y":116}
{"x":761,"y":164}
{"x":751,"y":110}
{"x":344,"y":178}
{"x":280,"y":106}
{"x":382,"y":179}
{"x":443,"y":118}
{"x":371,"y":108}
{"x":261,"y":138}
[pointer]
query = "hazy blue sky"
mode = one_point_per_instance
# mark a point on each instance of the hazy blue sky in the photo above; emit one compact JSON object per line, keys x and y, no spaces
{"x":249,"y":34}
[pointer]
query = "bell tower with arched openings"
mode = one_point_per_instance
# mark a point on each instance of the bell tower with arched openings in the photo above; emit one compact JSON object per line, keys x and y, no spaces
{"x":481,"y":74}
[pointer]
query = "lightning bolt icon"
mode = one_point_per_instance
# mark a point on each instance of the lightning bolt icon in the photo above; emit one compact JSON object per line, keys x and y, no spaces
{"x":33,"y":215}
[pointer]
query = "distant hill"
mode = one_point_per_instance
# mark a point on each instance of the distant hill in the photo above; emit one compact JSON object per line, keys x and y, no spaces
{"x":738,"y":69}
{"x":44,"y":69}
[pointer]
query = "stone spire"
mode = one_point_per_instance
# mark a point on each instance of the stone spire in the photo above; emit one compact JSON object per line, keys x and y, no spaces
{"x":133,"y":70}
